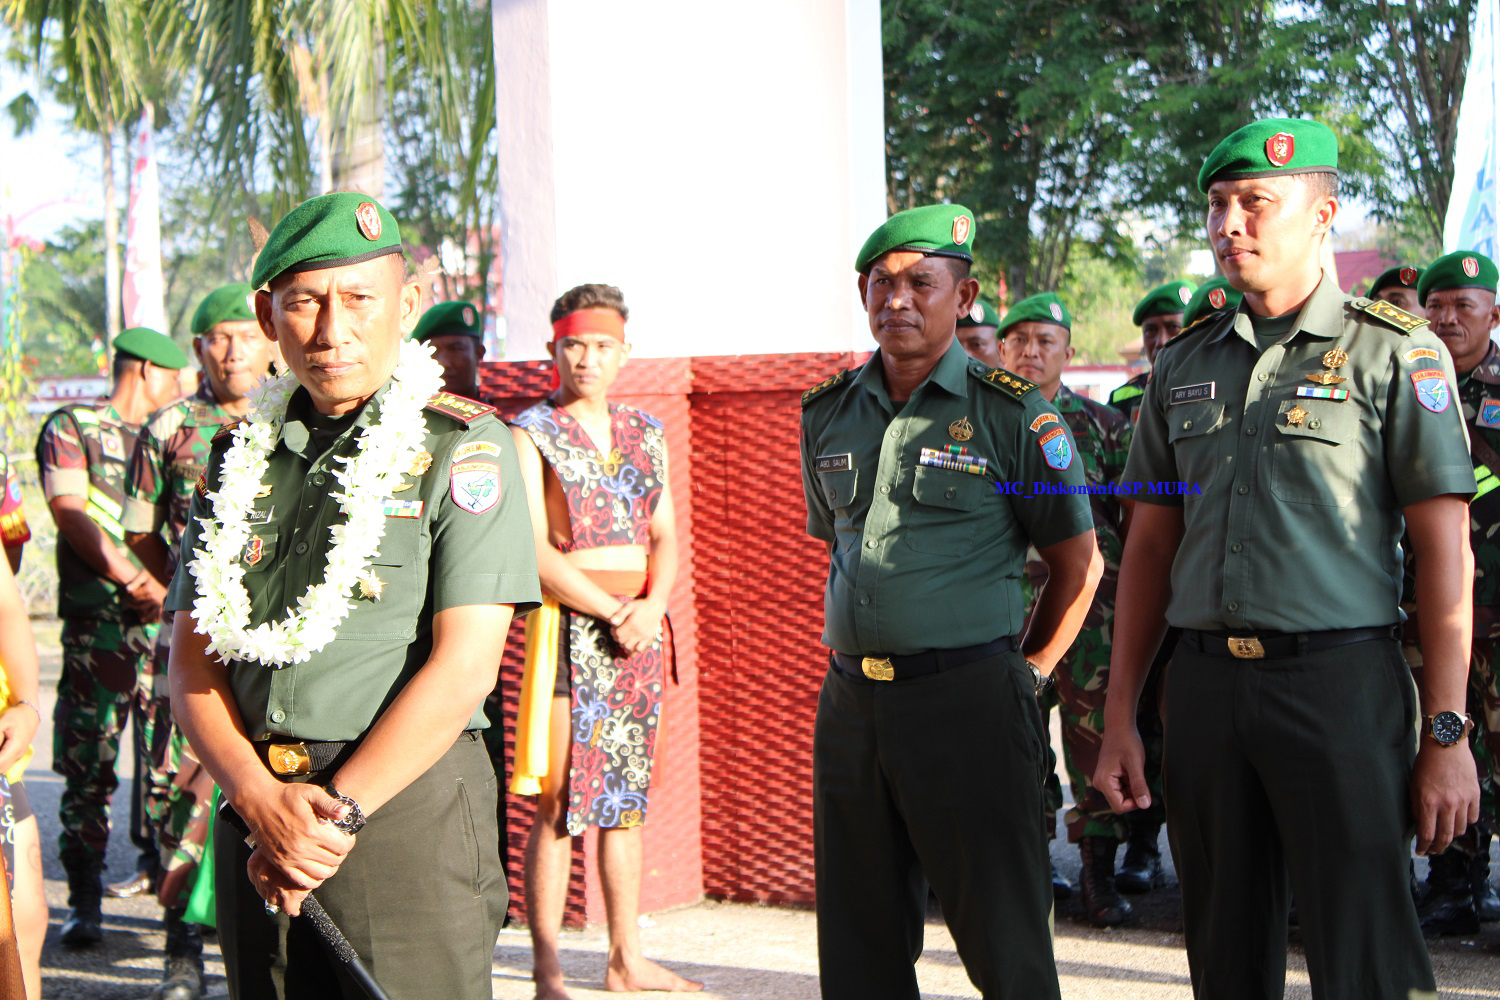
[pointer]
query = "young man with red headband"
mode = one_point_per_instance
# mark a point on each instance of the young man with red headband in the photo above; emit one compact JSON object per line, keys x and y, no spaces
{"x":606,"y":543}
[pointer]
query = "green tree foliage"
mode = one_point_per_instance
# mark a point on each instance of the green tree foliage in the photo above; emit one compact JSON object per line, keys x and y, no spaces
{"x":62,"y":287}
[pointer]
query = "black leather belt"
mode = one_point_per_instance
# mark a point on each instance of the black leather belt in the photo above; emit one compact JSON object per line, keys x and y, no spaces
{"x":909,"y":665}
{"x":1251,"y":645}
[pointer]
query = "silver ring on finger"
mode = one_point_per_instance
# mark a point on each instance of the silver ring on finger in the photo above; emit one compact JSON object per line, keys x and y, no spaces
{"x":272,"y":909}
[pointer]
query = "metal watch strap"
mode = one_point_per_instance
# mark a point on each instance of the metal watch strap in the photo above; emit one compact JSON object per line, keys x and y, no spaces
{"x":354,"y":819}
{"x":1040,"y":680}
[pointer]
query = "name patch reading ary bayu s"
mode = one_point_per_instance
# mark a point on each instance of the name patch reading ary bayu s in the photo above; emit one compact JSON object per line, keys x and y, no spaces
{"x":832,"y":463}
{"x":1191,"y":393}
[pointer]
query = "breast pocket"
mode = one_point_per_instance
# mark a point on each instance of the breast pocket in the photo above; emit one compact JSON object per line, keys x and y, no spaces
{"x":387,"y":604}
{"x":1194,"y":430}
{"x":838,"y":487}
{"x":947,"y":513}
{"x":1313,"y":462}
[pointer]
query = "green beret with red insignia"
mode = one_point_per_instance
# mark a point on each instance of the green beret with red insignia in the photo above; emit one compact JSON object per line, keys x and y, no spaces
{"x":331,"y":230}
{"x":1397,"y":277}
{"x":1272,"y":147}
{"x":1460,"y":269}
{"x":1211,"y":296}
{"x":981,"y":314}
{"x":934,"y":230}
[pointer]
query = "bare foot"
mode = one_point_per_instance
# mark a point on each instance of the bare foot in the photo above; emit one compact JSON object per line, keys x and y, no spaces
{"x":642,"y":975}
{"x":552,"y":991}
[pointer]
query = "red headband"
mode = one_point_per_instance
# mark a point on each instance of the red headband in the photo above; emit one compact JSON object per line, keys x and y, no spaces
{"x":582,"y":321}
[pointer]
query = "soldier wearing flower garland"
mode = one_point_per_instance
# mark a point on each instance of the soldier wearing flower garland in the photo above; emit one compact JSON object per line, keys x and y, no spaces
{"x":364,"y":544}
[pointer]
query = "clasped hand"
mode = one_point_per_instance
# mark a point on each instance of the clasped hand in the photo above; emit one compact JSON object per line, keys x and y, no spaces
{"x":297,"y":847}
{"x":637,"y":624}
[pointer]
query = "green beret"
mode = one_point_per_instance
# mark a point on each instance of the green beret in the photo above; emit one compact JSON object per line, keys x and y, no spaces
{"x":1396,"y":277}
{"x":1460,"y":269}
{"x":1043,"y":308}
{"x":982,"y":314}
{"x":148,"y":345}
{"x":225,"y":304}
{"x":1211,"y":296}
{"x":1164,"y":300}
{"x":934,"y":230}
{"x":449,"y":317}
{"x":1270,"y":147}
{"x":331,"y":230}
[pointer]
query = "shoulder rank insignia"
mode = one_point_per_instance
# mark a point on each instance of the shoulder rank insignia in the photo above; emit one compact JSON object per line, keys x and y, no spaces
{"x":1393,"y":315}
{"x":460,"y":408}
{"x":225,"y":430}
{"x":1009,"y":383}
{"x":1201,"y":323}
{"x":823,"y":386}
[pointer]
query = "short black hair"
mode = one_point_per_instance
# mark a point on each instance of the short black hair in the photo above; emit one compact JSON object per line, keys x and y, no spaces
{"x":960,"y":268}
{"x":1320,"y":184}
{"x":122,"y":363}
{"x":591,"y":296}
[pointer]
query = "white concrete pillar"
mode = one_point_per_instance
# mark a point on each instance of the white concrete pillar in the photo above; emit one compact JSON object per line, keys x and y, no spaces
{"x":720,"y":162}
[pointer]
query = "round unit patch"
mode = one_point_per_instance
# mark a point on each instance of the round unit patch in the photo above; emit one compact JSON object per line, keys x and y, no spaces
{"x":369,"y":220}
{"x":1216,"y":298}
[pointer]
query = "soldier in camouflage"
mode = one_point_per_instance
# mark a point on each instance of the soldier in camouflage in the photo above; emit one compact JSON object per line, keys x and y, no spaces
{"x":1458,"y":294}
{"x":1035,"y":343}
{"x":170,"y":455}
{"x":108,"y":602}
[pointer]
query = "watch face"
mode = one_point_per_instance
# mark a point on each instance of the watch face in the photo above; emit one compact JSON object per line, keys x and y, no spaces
{"x":1447,"y":728}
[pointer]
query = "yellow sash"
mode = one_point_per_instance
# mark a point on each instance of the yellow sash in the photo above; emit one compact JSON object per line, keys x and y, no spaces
{"x":535,"y":713}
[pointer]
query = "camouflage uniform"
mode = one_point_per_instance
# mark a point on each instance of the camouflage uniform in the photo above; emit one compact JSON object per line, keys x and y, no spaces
{"x":82,"y":451}
{"x":1103,"y":439}
{"x":1127,"y":398}
{"x":170,"y":455}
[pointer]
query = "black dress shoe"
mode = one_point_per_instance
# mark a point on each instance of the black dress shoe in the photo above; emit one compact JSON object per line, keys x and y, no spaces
{"x":143,"y":881}
{"x":1141,"y":869}
{"x":83,"y":927}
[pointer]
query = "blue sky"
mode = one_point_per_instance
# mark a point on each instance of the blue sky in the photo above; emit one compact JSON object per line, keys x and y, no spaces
{"x":49,"y":178}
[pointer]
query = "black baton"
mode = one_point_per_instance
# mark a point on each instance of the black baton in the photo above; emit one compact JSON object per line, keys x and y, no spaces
{"x":333,"y":938}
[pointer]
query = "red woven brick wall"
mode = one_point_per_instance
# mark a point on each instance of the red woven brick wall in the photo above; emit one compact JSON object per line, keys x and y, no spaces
{"x":673,"y":873}
{"x":731,"y":803}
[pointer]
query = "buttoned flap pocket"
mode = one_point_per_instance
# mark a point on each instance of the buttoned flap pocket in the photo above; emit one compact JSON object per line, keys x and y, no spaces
{"x":388,"y":597}
{"x":838,"y":487}
{"x":1193,"y":433}
{"x":946,"y":516}
{"x":260,"y":551}
{"x":1314,"y":455}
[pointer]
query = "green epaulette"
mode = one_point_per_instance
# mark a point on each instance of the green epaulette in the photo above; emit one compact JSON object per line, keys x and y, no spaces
{"x":1391,"y":314}
{"x":460,"y":408}
{"x":825,"y":385}
{"x":226,"y":430}
{"x":1009,"y":383}
{"x":1201,"y":323}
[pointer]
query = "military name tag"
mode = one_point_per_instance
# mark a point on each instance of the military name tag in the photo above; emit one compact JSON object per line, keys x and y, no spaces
{"x":833,"y":463}
{"x":260,"y":516}
{"x":1489,"y":414}
{"x":1191,"y":393}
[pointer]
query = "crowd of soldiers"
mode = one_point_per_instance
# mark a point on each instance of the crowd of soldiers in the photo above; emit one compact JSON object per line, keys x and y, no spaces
{"x":301,"y":598}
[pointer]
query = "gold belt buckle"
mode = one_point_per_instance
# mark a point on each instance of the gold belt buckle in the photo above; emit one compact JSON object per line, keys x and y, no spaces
{"x":878,"y":670}
{"x":289,"y":759}
{"x":1246,"y":649}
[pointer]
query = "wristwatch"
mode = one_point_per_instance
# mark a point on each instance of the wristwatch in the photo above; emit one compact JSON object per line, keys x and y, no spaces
{"x":354,"y":819}
{"x":1447,"y":728}
{"x":1041,"y":681}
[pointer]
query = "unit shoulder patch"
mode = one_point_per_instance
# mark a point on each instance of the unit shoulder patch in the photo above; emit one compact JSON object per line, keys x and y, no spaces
{"x":1391,"y":314}
{"x":825,"y":385}
{"x":461,"y":408}
{"x":225,"y":430}
{"x":1008,"y":383}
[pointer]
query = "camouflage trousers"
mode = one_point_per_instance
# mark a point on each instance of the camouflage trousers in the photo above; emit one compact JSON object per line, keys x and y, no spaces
{"x":1484,"y":709}
{"x":101,"y":686}
{"x":1080,"y":684}
{"x":178,"y":789}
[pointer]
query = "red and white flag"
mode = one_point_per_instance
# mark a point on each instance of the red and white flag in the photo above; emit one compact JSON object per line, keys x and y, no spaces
{"x":144,"y":291}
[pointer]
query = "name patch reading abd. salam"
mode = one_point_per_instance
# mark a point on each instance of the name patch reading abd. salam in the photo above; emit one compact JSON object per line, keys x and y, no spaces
{"x":1191,"y":393}
{"x":832,"y":463}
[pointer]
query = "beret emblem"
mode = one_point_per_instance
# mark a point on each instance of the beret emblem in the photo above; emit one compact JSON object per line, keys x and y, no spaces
{"x":468,"y":315}
{"x":1056,"y":311}
{"x":1183,"y":294}
{"x":960,"y":230}
{"x":1216,"y":298}
{"x":1471,"y":267}
{"x":369,"y":220}
{"x":1280,"y":149}
{"x":1409,"y":275}
{"x":976,"y":312}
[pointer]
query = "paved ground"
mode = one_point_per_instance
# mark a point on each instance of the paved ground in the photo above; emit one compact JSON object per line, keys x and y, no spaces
{"x":749,"y":952}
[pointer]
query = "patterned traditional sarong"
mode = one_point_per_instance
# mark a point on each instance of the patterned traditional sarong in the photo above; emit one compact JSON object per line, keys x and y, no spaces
{"x":615,"y":706}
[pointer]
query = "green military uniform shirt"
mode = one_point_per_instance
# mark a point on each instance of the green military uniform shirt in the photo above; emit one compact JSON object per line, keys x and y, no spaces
{"x":927,"y":557}
{"x":435,"y":554}
{"x":82,"y":451}
{"x":1298,"y":524}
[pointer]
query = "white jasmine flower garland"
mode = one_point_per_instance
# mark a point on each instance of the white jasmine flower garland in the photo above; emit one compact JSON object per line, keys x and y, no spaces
{"x":387,"y":449}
